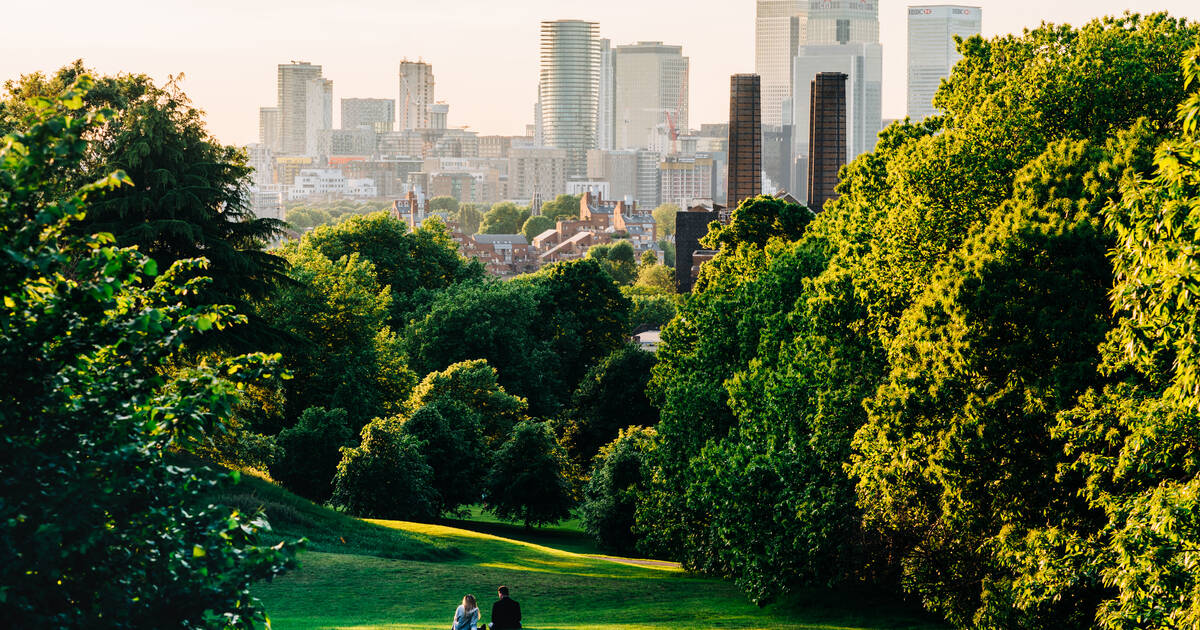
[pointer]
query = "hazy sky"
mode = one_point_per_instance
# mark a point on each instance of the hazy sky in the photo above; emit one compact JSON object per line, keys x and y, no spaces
{"x":484,"y":54}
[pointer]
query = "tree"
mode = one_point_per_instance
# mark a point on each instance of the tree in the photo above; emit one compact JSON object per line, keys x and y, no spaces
{"x":443,"y":204}
{"x":536,"y":225}
{"x":189,"y":198}
{"x":618,"y":259}
{"x":526,"y":483}
{"x":311,"y":452}
{"x":562,"y":207}
{"x":664,"y":218}
{"x":469,"y":217}
{"x":611,"y":397}
{"x":652,"y":311}
{"x":620,"y":476}
{"x":505,"y":217}
{"x":414,"y":264}
{"x":451,"y":440}
{"x":101,"y":524}
{"x":349,"y":359}
{"x":492,"y":321}
{"x":659,"y":277}
{"x":386,"y":475}
{"x":474,"y":385}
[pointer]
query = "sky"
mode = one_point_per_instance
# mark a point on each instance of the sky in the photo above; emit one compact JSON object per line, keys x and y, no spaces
{"x":484,"y":54}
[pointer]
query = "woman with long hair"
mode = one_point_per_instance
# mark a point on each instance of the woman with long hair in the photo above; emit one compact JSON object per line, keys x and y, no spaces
{"x":466,"y":617}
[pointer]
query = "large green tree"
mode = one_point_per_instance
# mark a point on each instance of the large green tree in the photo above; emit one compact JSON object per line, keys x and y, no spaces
{"x":189,"y":197}
{"x":100,"y":524}
{"x":505,"y":217}
{"x":527,"y":483}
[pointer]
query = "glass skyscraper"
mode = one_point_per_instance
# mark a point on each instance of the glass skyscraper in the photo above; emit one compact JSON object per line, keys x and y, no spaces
{"x":932,"y":52}
{"x":569,"y":89}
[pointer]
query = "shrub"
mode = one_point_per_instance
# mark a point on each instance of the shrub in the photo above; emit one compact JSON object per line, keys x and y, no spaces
{"x":386,"y":475}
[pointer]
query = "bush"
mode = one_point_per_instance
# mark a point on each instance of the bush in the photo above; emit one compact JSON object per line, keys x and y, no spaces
{"x":386,"y":475}
{"x":619,"y":476}
{"x":311,"y":452}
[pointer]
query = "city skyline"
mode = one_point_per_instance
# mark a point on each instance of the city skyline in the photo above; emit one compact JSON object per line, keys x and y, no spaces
{"x":486,"y":62}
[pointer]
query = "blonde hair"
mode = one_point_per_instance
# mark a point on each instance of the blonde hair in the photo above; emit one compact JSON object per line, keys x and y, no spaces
{"x":469,"y":603}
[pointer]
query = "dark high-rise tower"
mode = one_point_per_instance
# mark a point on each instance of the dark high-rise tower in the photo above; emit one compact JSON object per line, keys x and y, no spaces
{"x":745,"y":138}
{"x":827,"y":137}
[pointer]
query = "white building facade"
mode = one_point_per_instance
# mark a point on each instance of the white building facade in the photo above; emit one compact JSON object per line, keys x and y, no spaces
{"x":416,"y":95}
{"x":568,"y":88}
{"x":651,"y":93}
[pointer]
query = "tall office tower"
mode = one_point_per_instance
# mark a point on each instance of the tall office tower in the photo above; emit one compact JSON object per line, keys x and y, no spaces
{"x":932,"y":52}
{"x":569,"y":86}
{"x":648,"y":178}
{"x":416,"y":94}
{"x":439,"y":115}
{"x":745,"y":138}
{"x":827,"y":140}
{"x":619,"y":169}
{"x":652,"y":93}
{"x":268,"y":128}
{"x":606,"y":124}
{"x":779,"y":30}
{"x":377,"y":113}
{"x":840,"y":37}
{"x":293,"y":104}
{"x":318,"y":112}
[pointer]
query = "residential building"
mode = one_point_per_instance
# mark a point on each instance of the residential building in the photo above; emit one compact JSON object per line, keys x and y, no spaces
{"x":684,"y":178}
{"x":647,"y":178}
{"x":330,"y":183}
{"x":932,"y":52}
{"x":599,"y":189}
{"x":745,"y":138}
{"x":293,"y":80}
{"x":416,"y":95}
{"x":439,"y":115}
{"x":828,"y":137}
{"x":568,"y":89}
{"x":379,"y":114}
{"x":779,"y":30}
{"x":358,"y":141}
{"x":618,"y":168}
{"x":495,"y":146}
{"x":651,"y":93}
{"x":540,"y":171}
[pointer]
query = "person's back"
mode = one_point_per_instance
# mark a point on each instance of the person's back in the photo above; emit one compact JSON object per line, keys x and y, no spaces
{"x":506,"y":612}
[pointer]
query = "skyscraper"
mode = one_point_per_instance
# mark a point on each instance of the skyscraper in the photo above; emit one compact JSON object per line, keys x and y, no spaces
{"x":932,"y":52}
{"x":745,"y":138}
{"x":268,"y":128}
{"x":416,"y":95}
{"x":318,"y":112}
{"x":569,"y":89}
{"x":652,"y":92}
{"x":606,"y":124}
{"x":841,"y":36}
{"x":293,"y":104}
{"x":827,"y":140}
{"x":779,"y":30}
{"x":377,"y":113}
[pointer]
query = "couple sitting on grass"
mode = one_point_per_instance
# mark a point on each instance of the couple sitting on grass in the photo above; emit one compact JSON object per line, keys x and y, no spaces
{"x":506,"y":613}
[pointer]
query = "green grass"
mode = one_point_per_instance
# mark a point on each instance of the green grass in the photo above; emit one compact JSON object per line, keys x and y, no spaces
{"x":557,"y":588}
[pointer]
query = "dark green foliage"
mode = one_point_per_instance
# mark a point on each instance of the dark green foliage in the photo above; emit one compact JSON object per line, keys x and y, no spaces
{"x":618,"y":260}
{"x":414,"y":264}
{"x":473,"y":384}
{"x":386,"y":475}
{"x":443,"y":204}
{"x":452,"y":442}
{"x":536,"y":225}
{"x":562,"y":207}
{"x":469,"y":217}
{"x":527,"y":482}
{"x":505,"y":217}
{"x":652,"y":311}
{"x":311,"y":450}
{"x":188,"y":199}
{"x":349,"y":358}
{"x":756,"y":221}
{"x":620,"y":476}
{"x":611,"y":397}
{"x":99,"y":526}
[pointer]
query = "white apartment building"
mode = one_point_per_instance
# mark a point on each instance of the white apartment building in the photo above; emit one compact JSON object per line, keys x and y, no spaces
{"x":651,"y":93}
{"x":293,"y":93}
{"x":537,"y":171}
{"x":416,"y":95}
{"x":684,"y":178}
{"x":318,"y":113}
{"x":932,"y":52}
{"x":329,"y":183}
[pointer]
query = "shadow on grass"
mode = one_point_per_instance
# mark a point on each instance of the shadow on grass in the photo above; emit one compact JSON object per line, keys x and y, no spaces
{"x":560,"y":538}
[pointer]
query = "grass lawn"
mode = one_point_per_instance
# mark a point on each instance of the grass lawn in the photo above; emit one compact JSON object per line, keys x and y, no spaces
{"x":407,"y":576}
{"x":557,"y":590}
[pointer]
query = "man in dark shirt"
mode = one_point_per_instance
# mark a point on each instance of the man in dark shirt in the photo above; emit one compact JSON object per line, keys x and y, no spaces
{"x":506,"y":612}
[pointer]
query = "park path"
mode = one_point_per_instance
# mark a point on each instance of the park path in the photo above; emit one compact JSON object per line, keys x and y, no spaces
{"x":664,"y":564}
